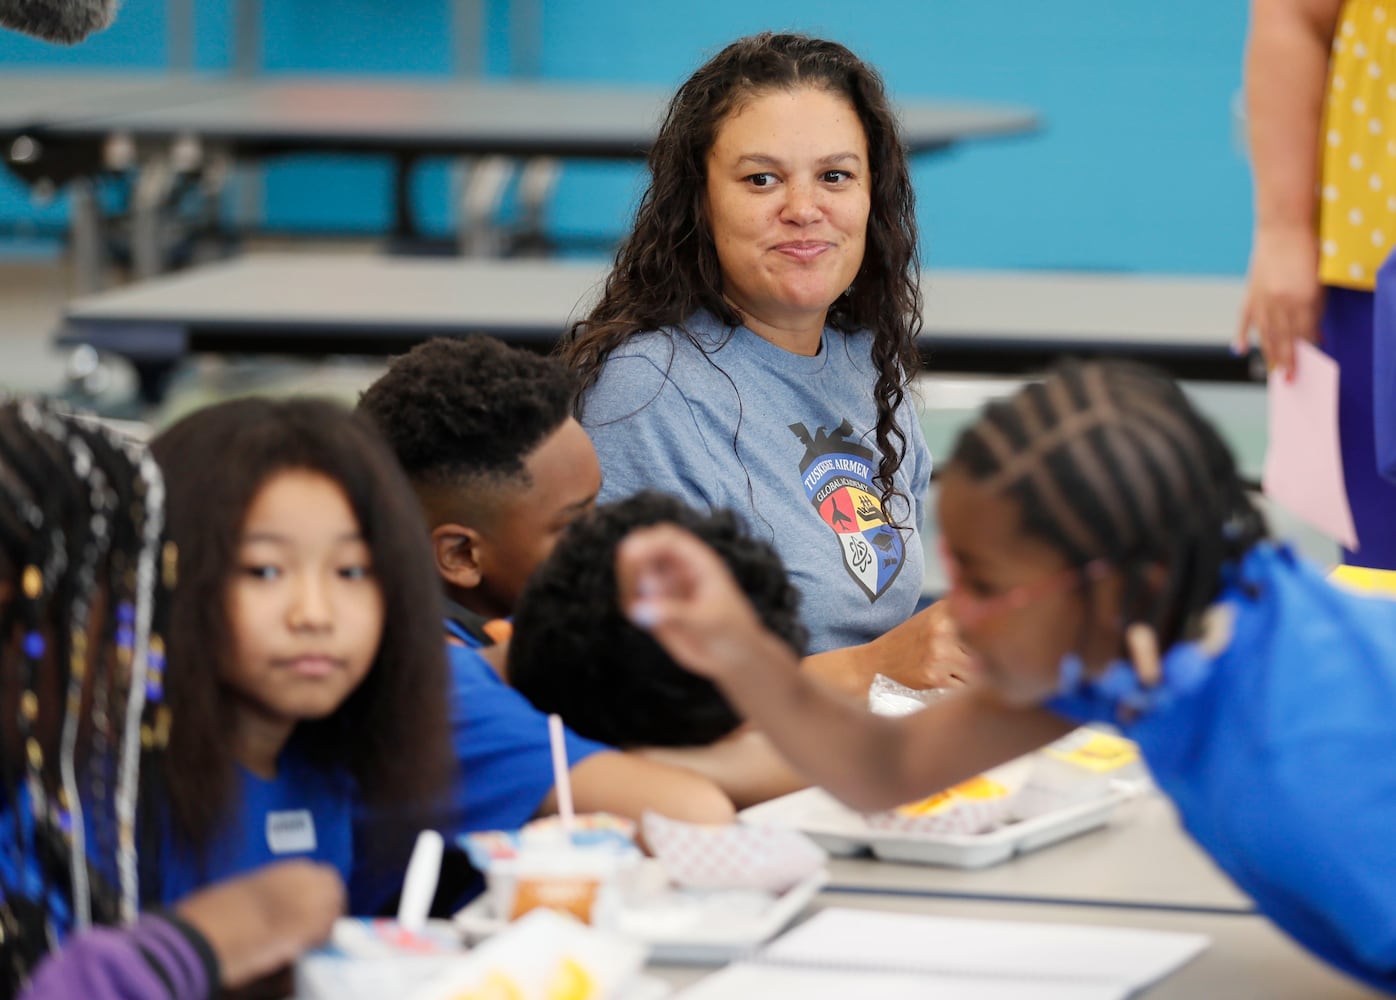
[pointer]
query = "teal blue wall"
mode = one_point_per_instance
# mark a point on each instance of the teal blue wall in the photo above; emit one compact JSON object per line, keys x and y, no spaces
{"x":1136,"y":168}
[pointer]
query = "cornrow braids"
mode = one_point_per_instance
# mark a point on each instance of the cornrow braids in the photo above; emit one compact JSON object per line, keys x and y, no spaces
{"x":78,"y":508}
{"x":1110,"y":461}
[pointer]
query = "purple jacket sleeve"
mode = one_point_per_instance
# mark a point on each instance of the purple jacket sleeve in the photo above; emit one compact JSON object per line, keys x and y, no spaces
{"x":160,"y":958}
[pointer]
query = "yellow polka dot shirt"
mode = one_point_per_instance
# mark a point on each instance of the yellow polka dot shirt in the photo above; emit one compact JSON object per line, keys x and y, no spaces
{"x":1357,"y":206}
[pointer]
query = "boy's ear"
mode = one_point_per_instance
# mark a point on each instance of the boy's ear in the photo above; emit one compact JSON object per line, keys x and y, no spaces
{"x":457,"y":550}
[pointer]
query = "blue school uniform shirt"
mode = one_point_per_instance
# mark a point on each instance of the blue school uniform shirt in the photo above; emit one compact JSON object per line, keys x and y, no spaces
{"x":304,"y":812}
{"x":1280,"y":752}
{"x":504,"y":762}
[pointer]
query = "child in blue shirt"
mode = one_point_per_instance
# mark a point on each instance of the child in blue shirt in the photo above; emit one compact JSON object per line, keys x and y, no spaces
{"x":1106,"y":563}
{"x":576,"y":654}
{"x":307,"y":680}
{"x":83,"y":603}
{"x":501,"y":469}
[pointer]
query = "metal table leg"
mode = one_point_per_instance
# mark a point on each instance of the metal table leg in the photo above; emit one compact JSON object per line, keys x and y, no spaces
{"x":154,"y":182}
{"x":85,"y":231}
{"x":481,"y":195}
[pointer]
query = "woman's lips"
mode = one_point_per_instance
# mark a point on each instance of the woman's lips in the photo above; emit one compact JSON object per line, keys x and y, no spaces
{"x":803,"y":250}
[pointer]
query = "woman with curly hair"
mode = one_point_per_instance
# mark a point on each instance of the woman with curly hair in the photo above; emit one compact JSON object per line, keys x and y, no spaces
{"x":754,"y":344}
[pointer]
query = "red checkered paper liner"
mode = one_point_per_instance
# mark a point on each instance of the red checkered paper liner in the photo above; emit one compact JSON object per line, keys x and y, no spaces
{"x":731,"y":857}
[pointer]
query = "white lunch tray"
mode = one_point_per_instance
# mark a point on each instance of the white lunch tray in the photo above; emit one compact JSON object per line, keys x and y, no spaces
{"x":843,"y":832}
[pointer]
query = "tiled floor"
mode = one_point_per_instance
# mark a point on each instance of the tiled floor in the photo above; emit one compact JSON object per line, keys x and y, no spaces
{"x":32,"y":293}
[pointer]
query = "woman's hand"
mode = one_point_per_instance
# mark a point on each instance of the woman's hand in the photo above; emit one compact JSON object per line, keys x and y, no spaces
{"x":925,"y":652}
{"x":1284,"y":299}
{"x":259,"y":923}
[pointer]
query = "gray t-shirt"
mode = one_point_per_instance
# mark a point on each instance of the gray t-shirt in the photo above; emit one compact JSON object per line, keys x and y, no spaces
{"x":789,"y":443}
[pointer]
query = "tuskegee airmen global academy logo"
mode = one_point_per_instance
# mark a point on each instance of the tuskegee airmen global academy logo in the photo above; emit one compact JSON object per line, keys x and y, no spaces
{"x":838,"y":476}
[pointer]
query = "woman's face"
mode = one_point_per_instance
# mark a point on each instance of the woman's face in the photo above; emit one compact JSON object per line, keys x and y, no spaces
{"x":1019,"y":606}
{"x":788,"y":194}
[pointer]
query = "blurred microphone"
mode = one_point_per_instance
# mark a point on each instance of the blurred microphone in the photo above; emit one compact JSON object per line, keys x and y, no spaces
{"x":66,"y":21}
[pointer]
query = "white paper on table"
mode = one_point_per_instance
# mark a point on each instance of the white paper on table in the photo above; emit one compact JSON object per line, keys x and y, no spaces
{"x":775,"y":982}
{"x":948,"y":957}
{"x":1304,"y":462}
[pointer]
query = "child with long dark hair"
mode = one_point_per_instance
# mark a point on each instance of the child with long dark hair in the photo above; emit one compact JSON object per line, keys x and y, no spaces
{"x":1106,"y":563}
{"x":306,"y":632}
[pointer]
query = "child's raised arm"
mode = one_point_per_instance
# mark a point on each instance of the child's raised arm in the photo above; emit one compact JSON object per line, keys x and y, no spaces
{"x":671,"y":584}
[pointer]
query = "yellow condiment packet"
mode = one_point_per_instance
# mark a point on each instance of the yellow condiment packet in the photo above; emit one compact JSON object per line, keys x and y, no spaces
{"x":1098,"y":752}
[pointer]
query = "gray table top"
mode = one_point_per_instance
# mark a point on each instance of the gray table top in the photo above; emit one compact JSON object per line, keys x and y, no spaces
{"x":1249,"y":958}
{"x":42,"y":99}
{"x":556,"y":118}
{"x":1142,"y":859}
{"x":343,"y":298}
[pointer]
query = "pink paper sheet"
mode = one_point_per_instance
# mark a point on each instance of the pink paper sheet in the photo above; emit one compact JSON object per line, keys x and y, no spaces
{"x":1303,"y":463}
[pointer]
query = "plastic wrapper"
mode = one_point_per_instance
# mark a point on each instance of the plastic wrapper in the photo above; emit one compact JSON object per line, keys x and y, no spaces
{"x":888,"y":697}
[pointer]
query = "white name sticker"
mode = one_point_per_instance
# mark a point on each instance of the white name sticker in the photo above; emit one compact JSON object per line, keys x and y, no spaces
{"x":291,"y":832}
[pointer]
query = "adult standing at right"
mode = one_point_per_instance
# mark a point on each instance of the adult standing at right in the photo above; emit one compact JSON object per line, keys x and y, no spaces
{"x":754,"y":346}
{"x":1321,"y":111}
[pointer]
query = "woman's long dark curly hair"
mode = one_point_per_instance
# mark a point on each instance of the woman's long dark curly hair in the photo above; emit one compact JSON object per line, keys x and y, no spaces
{"x":667,"y":269}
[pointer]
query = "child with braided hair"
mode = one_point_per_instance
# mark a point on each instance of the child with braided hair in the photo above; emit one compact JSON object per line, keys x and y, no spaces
{"x":83,"y":595}
{"x":1107,"y":564}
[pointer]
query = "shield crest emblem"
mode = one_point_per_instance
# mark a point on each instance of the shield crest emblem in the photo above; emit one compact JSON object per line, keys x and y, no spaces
{"x":837,"y":473}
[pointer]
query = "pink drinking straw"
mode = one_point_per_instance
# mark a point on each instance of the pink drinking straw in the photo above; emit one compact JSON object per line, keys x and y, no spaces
{"x":561,"y":778}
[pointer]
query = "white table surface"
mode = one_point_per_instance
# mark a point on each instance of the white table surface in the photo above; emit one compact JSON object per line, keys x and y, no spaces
{"x":1249,"y":959}
{"x":1142,"y":859}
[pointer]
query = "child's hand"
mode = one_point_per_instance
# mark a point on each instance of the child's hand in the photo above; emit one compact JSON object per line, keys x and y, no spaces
{"x":679,"y":590}
{"x":260,"y":922}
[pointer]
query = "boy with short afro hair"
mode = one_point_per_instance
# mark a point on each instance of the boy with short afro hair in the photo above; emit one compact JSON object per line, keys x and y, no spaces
{"x":486,"y":436}
{"x":485,"y":433}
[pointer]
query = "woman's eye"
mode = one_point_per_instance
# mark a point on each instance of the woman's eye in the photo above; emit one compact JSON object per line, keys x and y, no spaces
{"x":836,"y":176}
{"x":262,"y":572}
{"x":355,"y":572}
{"x":761,"y":180}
